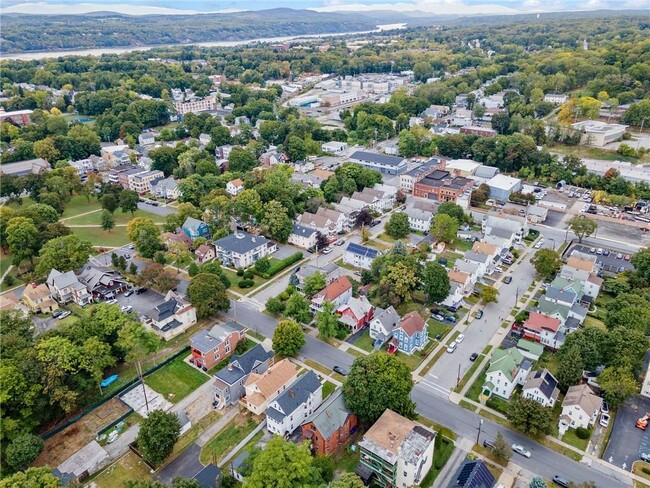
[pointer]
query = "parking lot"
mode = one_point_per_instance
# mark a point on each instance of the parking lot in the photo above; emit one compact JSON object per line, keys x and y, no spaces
{"x":626,"y":442}
{"x":142,"y":303}
{"x":611,"y":263}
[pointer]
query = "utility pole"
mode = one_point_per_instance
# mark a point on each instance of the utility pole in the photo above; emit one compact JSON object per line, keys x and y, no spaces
{"x":144,"y":390}
{"x":458,"y":377}
{"x":480,"y":426}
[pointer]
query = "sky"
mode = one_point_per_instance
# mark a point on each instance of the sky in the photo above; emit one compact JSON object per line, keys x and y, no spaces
{"x":466,"y":7}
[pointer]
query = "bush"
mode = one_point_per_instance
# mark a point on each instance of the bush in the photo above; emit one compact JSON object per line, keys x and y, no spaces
{"x":9,"y":280}
{"x":240,"y":272}
{"x":241,"y":346}
{"x":279,"y":265}
{"x":284,"y":296}
{"x":224,"y":279}
{"x":246,"y":283}
{"x":275,"y":305}
{"x":645,"y":470}
{"x":248,"y":275}
{"x":583,"y":433}
{"x":160,"y":258}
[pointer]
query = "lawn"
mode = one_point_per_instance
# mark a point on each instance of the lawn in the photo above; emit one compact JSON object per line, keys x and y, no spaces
{"x":250,"y":344}
{"x":469,"y":373}
{"x":386,"y":238}
{"x":129,"y":467}
{"x":346,"y":461}
{"x":231,"y":435}
{"x":176,"y":378}
{"x":381,"y":246}
{"x":548,"y":361}
{"x":5,"y":262}
{"x":594,"y":322}
{"x":234,"y":280}
{"x":462,"y":245}
{"x":98,"y":237}
{"x":475,"y":390}
{"x":596,"y":153}
{"x":193,"y":433}
{"x":78,"y":204}
{"x":120,"y":217}
{"x":328,"y":389}
{"x":440,"y":458}
{"x":571,"y":438}
{"x":365,"y":342}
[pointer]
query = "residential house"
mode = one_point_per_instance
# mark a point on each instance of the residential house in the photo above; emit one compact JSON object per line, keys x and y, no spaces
{"x":580,"y":408}
{"x":263,"y":388}
{"x":466,"y":233}
{"x":382,"y":325}
{"x":359,"y":256}
{"x":592,"y":286}
{"x":340,"y":221}
{"x":330,"y":426}
{"x":166,"y":188}
{"x":580,"y":263}
{"x":291,"y":407}
{"x":66,"y":288}
{"x":204,"y":253}
{"x":408,"y":179}
{"x":564,"y":291}
{"x":8,"y":301}
{"x":531,"y":350}
{"x":508,"y":368}
{"x":302,"y":236}
{"x":242,"y":249}
{"x":455,"y":296}
{"x":410,"y":335}
{"x":338,"y":292}
{"x":271,"y":158}
{"x":472,"y":474}
{"x":484,"y":248}
{"x":211,"y":346}
{"x":37,"y":299}
{"x":464,"y":280}
{"x":235,"y":187}
{"x":536,"y":214}
{"x":141,"y":182}
{"x":469,"y":267}
{"x":485,"y":262}
{"x":229,"y":381}
{"x":102,"y":282}
{"x":556,"y":98}
{"x":513,"y":226}
{"x":204,"y":139}
{"x":172,"y":317}
{"x":195,"y":228}
{"x":541,"y":328}
{"x":478,"y":130}
{"x":171,"y":239}
{"x":395,"y":452}
{"x":541,"y":386}
{"x":319,"y":223}
{"x":147,"y":138}
{"x":393,"y":165}
{"x":461,"y":117}
{"x":435,"y":112}
{"x":223,"y":152}
{"x":356,"y":313}
{"x":442,"y":186}
{"x":330,"y":271}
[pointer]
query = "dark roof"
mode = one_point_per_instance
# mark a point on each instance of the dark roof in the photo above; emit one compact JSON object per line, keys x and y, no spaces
{"x":208,"y":476}
{"x":241,"y":242}
{"x":294,"y":396}
{"x":424,"y":168}
{"x":362,"y":250}
{"x":171,"y":325}
{"x":163,"y":311}
{"x":383,"y":159}
{"x":243,"y":364}
{"x":473,"y":474}
{"x":301,"y":230}
{"x":549,"y":383}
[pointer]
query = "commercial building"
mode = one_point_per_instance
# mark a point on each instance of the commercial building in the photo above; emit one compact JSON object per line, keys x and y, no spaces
{"x":383,"y":163}
{"x":408,"y":179}
{"x":23,"y":168}
{"x":462,"y":167}
{"x":501,"y":186}
{"x":334,"y":147}
{"x":441,"y":186}
{"x":18,"y":117}
{"x":556,"y":98}
{"x":478,"y":130}
{"x":197,"y":105}
{"x":597,"y":133}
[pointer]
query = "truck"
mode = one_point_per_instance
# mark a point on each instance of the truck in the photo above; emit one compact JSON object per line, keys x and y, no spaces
{"x":642,"y":423}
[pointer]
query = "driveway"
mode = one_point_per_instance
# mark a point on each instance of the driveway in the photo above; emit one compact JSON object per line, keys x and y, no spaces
{"x":609,"y":263}
{"x":187,"y":465}
{"x":284,"y":251}
{"x":142,"y":303}
{"x":627,"y":442}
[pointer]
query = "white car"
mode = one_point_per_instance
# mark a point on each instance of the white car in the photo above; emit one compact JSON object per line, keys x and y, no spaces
{"x":538,"y":245}
{"x":519,"y":449}
{"x":112,"y":301}
{"x":126,"y":308}
{"x":64,"y":315}
{"x":452,"y":347}
{"x":460,"y":338}
{"x":327,"y":250}
{"x":604,"y":420}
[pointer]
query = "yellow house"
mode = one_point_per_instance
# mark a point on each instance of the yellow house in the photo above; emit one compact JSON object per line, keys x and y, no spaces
{"x":261,"y":389}
{"x":37,"y":298}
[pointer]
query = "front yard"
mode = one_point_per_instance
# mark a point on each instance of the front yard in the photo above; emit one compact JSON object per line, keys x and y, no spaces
{"x":130,"y":467}
{"x":365,"y":342}
{"x":231,"y":435}
{"x":571,"y":438}
{"x":234,"y":281}
{"x":176,"y":380}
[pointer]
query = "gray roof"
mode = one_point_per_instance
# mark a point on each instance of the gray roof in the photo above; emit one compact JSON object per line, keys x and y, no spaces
{"x":241,"y":242}
{"x":243,"y":364}
{"x":389,"y":317}
{"x":301,"y":230}
{"x":192,"y":224}
{"x":331,"y":415}
{"x":484,"y":171}
{"x":545,"y":381}
{"x":61,"y":280}
{"x":566,"y":295}
{"x":476,"y":257}
{"x":383,"y":159}
{"x":95,"y":276}
{"x":168,"y":183}
{"x":503,"y":233}
{"x":294,"y":396}
{"x":205,"y":340}
{"x":431,"y":163}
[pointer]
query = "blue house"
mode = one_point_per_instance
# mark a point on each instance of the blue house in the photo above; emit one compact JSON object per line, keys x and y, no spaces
{"x":410,"y":335}
{"x":195,"y":228}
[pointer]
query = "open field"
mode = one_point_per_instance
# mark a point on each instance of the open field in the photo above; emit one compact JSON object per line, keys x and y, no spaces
{"x":121,"y":218}
{"x":176,"y":380}
{"x":98,"y":237}
{"x":231,"y":435}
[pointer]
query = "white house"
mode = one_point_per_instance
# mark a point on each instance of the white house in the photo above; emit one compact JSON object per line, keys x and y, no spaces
{"x":420,"y":214}
{"x":66,"y":288}
{"x":580,"y":408}
{"x":241,"y":250}
{"x":359,"y":256}
{"x":382,"y":325}
{"x":454,"y":297}
{"x":339,"y":220}
{"x":334,"y":147}
{"x":541,"y":386}
{"x":172,"y":317}
{"x":302,"y":236}
{"x":516,"y":227}
{"x":289,"y":409}
{"x":508,"y":368}
{"x":235,"y":187}
{"x":461,"y":117}
{"x":485,"y":262}
{"x":166,"y":188}
{"x":556,"y":98}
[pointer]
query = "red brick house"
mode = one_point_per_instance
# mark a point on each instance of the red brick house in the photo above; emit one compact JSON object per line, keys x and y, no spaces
{"x":210,"y":347}
{"x":356,"y":313}
{"x":330,"y":426}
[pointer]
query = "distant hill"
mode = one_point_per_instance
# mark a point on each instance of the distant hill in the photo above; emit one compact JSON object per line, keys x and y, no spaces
{"x":24,"y":33}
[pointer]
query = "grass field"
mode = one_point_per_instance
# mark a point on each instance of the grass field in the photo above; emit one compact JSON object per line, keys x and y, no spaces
{"x":98,"y":237}
{"x":365,"y":342}
{"x":78,"y":204}
{"x":328,"y":388}
{"x":120,"y":217}
{"x":178,"y":378}
{"x":130,"y":467}
{"x":231,"y":435}
{"x":598,"y":153}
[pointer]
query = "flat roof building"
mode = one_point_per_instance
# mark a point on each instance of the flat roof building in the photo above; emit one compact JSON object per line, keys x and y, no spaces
{"x":597,"y":133}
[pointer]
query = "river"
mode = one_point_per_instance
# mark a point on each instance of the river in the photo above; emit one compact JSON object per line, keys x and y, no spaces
{"x":127,"y":49}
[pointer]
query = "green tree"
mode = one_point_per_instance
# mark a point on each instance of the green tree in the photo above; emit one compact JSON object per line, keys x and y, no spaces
{"x":296,"y":148}
{"x":262,"y":265}
{"x":23,"y":451}
{"x":347,"y":480}
{"x":158,"y":434}
{"x":327,"y":321}
{"x":453,"y":210}
{"x":537,"y":482}
{"x":248,"y":206}
{"x":275,"y":305}
{"x":129,"y":201}
{"x":241,"y":160}
{"x":444,"y":228}
{"x":398,"y":225}
{"x":283,"y":465}
{"x":32,"y":478}
{"x":401,"y":279}
{"x":107,"y":220}
{"x":193,"y":269}
{"x":489,"y":294}
{"x":377,"y":382}
{"x":546,"y":262}
{"x":110,"y":202}
{"x":570,"y":368}
{"x":208,"y":295}
{"x":530,"y":416}
{"x":288,"y":338}
{"x":297,"y":308}
{"x":641,"y":262}
{"x":435,"y":282}
{"x":22,"y":239}
{"x":145,"y":234}
{"x":156,"y":276}
{"x":630,"y":311}
{"x":617,"y":384}
{"x":408,"y":144}
{"x":67,"y":253}
{"x":582,"y":226}
{"x":276,"y":222}
{"x":313,"y":284}
{"x":501,"y":451}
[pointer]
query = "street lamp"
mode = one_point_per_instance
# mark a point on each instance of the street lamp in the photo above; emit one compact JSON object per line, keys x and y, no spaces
{"x":480,"y":426}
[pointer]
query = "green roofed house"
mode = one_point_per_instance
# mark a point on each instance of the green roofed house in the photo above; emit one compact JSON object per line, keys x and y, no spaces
{"x":529,"y":349}
{"x":508,"y":368}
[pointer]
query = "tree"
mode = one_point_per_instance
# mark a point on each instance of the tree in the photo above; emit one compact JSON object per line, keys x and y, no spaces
{"x":489,"y":294}
{"x":155,"y":275}
{"x":570,"y":368}
{"x":66,"y":253}
{"x":275,"y":305}
{"x":133,"y":268}
{"x":313,"y":284}
{"x":435,"y":282}
{"x":107,"y":220}
{"x":262,"y":265}
{"x":296,"y":149}
{"x":582,"y":227}
{"x":453,"y":210}
{"x":23,"y":451}
{"x":46,"y":149}
{"x":33,"y":477}
{"x":444,"y":228}
{"x":321,"y":241}
{"x":537,"y":482}
{"x":347,"y":480}
{"x":327,"y":321}
{"x":401,"y":279}
{"x":530,"y":416}
{"x":129,"y":201}
{"x":283,"y":465}
{"x":629,"y":311}
{"x":276,"y":221}
{"x":288,"y":338}
{"x":501,"y":450}
{"x":617,"y":384}
{"x":398,"y":225}
{"x":363,"y":218}
{"x":158,"y":434}
{"x":22,"y":239}
{"x":145,"y":234}
{"x":208,"y":294}
{"x":546,"y":262}
{"x":377,"y":382}
{"x":641,"y":262}
{"x":297,"y":308}
{"x":407,"y":144}
{"x":110,"y":202}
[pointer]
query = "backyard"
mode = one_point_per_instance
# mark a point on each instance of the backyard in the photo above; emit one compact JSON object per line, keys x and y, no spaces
{"x":100,"y":238}
{"x":176,"y":380}
{"x":231,"y":435}
{"x":129,"y":467}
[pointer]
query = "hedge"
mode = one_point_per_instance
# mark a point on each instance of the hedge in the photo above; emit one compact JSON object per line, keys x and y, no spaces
{"x":279,"y":265}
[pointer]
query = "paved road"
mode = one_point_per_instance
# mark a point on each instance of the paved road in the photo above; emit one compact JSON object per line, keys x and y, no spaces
{"x":159,"y":210}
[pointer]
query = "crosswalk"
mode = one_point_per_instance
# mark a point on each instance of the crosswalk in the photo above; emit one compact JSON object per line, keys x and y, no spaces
{"x":436,"y":389}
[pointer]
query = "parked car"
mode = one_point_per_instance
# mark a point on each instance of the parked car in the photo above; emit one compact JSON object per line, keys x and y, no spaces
{"x":479,"y":314}
{"x":619,"y":256}
{"x":450,"y":318}
{"x":131,"y":246}
{"x":327,"y":250}
{"x":128,"y":293}
{"x":519,"y":449}
{"x":375,"y":223}
{"x":63,"y":315}
{"x":626,"y":257}
{"x":507,"y":280}
{"x":538,"y":245}
{"x":592,"y":250}
{"x":438,"y":317}
{"x":488,"y":444}
{"x":112,"y":301}
{"x":127,"y":256}
{"x":57,"y":314}
{"x":473,"y":357}
{"x":645,"y":456}
{"x":127,"y":308}
{"x":442,"y":262}
{"x":357,"y":273}
{"x":599,"y":251}
{"x":140,"y":290}
{"x":606,"y":252}
{"x":604,"y":419}
{"x":558,"y":480}
{"x":604,"y":407}
{"x":452,"y":347}
{"x":340,"y":370}
{"x":460,"y":338}
{"x":340,"y":242}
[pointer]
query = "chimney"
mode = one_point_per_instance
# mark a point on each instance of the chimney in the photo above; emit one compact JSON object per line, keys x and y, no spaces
{"x":33,"y":285}
{"x":292,"y":393}
{"x":229,"y":366}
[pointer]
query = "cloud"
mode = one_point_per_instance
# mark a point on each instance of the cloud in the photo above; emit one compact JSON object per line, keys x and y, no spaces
{"x":429,"y":6}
